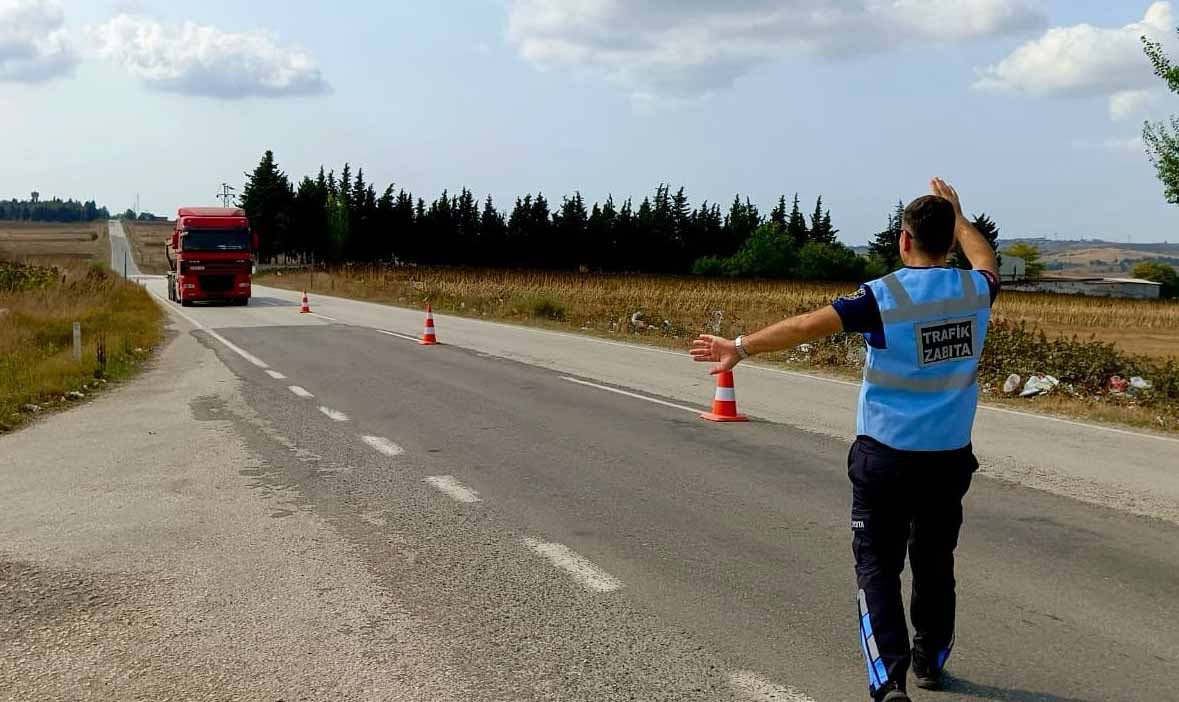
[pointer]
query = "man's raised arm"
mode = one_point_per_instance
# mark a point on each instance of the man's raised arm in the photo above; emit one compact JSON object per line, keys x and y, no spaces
{"x":978,"y":251}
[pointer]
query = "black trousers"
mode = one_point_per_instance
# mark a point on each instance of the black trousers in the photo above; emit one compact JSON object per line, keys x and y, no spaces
{"x":905,"y":500}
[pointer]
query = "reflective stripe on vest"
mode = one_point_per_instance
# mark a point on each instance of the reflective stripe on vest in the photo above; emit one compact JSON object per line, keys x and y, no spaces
{"x":920,"y":392}
{"x":909,"y":311}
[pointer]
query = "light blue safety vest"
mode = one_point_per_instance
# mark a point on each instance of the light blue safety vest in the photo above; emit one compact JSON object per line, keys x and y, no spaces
{"x":921,"y":392}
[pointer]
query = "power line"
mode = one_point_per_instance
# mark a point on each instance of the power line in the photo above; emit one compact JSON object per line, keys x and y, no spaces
{"x":226,"y":195}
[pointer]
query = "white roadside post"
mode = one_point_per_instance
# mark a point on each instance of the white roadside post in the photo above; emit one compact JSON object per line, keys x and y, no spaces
{"x":77,"y":341}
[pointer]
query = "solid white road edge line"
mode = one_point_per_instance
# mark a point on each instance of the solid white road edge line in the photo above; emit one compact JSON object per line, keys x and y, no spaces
{"x":753,"y":688}
{"x":452,"y":487}
{"x":584,"y":572}
{"x":228,"y":344}
{"x":276,"y":375}
{"x":399,"y":336}
{"x":334,"y":415}
{"x":300,"y":392}
{"x":383,"y":445}
{"x":632,"y":394}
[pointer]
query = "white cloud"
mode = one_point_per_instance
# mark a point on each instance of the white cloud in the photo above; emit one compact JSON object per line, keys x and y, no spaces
{"x":33,"y":43}
{"x":203,"y":60}
{"x":1133,"y":144}
{"x":685,"y":48}
{"x":1084,"y":60}
{"x":1130,"y":103}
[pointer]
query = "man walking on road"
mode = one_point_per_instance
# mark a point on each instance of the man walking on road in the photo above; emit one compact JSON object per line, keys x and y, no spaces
{"x":912,"y":461}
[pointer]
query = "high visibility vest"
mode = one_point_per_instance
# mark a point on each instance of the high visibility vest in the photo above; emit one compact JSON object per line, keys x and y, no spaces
{"x":920,"y":393}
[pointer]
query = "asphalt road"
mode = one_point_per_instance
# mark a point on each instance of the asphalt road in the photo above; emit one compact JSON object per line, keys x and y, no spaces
{"x":122,"y":257}
{"x":564,"y":540}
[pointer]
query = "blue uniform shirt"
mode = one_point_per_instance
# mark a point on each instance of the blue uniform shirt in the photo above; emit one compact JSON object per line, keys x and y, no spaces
{"x":861,"y":314}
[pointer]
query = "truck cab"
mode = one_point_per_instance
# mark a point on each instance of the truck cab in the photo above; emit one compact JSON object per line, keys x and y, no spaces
{"x":211,"y":256}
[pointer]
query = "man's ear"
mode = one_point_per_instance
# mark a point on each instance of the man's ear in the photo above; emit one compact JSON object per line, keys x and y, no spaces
{"x":906,"y":241}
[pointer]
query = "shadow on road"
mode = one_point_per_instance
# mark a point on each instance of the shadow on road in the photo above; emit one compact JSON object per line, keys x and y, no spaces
{"x":1002,"y":694}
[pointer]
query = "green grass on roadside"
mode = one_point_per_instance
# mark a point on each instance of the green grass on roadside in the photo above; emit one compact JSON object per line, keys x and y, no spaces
{"x":120,"y":323}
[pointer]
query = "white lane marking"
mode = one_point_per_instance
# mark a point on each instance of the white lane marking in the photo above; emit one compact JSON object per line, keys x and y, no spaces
{"x":228,"y":344}
{"x":300,"y":392}
{"x":1083,"y":425}
{"x":452,"y":487}
{"x":399,"y":336}
{"x":383,"y":445}
{"x":753,"y":688}
{"x":632,"y":394}
{"x":334,"y":415}
{"x":276,"y":375}
{"x":584,"y":572}
{"x":322,"y":316}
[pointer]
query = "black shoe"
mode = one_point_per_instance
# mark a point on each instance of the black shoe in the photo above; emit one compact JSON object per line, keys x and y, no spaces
{"x":926,"y":676}
{"x":891,"y":692}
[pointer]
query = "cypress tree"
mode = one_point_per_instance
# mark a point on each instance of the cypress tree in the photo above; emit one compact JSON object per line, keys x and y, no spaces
{"x":779,"y":216}
{"x":796,"y":225}
{"x":885,"y":246}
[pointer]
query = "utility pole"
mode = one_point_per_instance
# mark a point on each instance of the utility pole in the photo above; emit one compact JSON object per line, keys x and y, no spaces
{"x":226,"y":195}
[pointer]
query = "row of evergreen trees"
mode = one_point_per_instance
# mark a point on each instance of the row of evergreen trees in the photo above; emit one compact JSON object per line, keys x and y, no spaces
{"x":341,"y":218}
{"x":53,"y":210}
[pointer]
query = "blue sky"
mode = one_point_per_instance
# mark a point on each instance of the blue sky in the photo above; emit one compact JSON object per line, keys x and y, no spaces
{"x":1032,"y":115}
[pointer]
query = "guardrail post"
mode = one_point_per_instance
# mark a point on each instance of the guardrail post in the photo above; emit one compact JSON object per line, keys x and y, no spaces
{"x":77,"y":341}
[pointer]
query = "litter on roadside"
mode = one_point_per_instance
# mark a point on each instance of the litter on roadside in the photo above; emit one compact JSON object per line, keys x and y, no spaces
{"x":1038,"y":385}
{"x":1011,"y":384}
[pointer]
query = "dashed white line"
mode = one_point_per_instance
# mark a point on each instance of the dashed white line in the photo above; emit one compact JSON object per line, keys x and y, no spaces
{"x":383,"y":445}
{"x":636,"y":396}
{"x":452,"y":487}
{"x":583,"y":571}
{"x":753,"y":688}
{"x":300,"y":392}
{"x":334,"y":415}
{"x":276,"y":375}
{"x":399,"y":336}
{"x":323,"y":316}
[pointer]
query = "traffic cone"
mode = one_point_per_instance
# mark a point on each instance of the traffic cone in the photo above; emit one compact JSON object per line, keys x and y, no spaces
{"x":306,"y":309}
{"x":428,"y":336}
{"x":724,"y":404}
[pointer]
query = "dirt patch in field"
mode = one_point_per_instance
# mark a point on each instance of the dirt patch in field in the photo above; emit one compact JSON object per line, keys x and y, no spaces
{"x":48,"y":243}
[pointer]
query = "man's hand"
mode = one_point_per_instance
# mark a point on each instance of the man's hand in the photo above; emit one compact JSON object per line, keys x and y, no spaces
{"x":977,"y":249}
{"x":943,"y":189}
{"x":715,"y":349}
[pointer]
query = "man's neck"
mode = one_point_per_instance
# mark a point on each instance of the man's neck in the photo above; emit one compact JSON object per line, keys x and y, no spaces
{"x":924,"y":262}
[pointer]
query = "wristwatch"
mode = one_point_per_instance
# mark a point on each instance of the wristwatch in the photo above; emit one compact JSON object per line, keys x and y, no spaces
{"x":739,"y":342}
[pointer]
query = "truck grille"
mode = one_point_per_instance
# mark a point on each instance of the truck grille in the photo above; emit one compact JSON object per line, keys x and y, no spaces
{"x":216,"y":283}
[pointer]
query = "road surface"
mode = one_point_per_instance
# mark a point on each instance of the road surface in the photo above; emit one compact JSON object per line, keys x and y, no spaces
{"x":552,"y":522}
{"x":122,"y":256}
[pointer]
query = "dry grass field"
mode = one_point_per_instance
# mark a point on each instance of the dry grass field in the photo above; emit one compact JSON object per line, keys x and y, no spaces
{"x":677,"y":308}
{"x":147,"y":240}
{"x":54,"y":242}
{"x":120,"y":324}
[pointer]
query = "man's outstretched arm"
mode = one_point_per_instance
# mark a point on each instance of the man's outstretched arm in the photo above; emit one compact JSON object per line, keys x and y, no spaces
{"x":777,"y":337}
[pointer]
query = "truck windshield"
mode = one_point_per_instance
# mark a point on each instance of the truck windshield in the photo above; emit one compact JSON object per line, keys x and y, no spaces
{"x":216,"y":240}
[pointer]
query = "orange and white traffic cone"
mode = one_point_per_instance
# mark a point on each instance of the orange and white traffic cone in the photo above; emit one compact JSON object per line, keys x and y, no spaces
{"x":306,"y":309}
{"x":724,"y":404}
{"x":429,"y":338}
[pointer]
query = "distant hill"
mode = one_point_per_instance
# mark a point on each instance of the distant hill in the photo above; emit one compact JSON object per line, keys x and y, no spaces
{"x":1087,"y":256}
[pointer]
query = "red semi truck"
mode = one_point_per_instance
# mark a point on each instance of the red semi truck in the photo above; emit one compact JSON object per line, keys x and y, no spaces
{"x":211,"y":256}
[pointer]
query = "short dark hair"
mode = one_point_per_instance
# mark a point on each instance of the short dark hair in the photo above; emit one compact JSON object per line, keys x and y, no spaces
{"x":930,"y":221}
